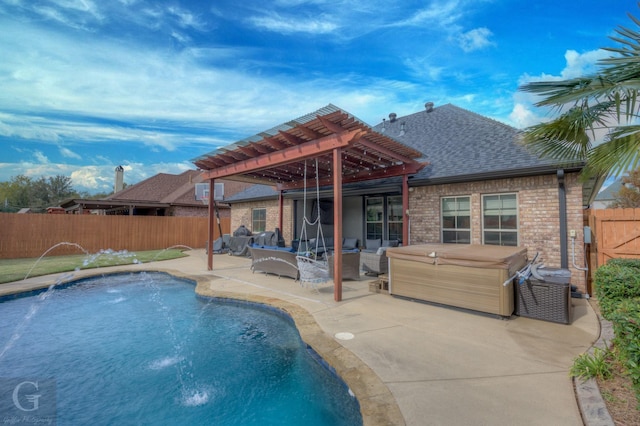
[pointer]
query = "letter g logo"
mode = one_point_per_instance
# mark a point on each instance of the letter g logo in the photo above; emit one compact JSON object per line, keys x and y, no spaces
{"x":32,"y":398}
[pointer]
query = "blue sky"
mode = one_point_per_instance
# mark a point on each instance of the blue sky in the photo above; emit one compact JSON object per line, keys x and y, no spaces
{"x":86,"y":85}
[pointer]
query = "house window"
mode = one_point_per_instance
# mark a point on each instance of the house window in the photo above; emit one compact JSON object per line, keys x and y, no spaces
{"x":259,"y":220}
{"x":500,"y":219}
{"x":375,"y":217}
{"x":394,"y":217}
{"x":456,"y":220}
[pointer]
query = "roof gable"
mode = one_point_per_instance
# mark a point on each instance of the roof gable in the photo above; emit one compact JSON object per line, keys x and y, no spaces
{"x":162,"y":188}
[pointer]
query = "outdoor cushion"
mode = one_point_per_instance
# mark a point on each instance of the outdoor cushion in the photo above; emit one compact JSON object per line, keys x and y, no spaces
{"x":372,"y":245}
{"x":350,"y":243}
{"x":390,"y":243}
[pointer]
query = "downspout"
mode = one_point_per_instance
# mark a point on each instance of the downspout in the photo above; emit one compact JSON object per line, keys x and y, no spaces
{"x":562,"y":202}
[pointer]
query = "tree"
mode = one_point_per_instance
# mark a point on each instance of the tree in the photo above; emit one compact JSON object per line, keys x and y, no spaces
{"x":22,"y":191}
{"x":629,"y":194}
{"x":606,"y":100}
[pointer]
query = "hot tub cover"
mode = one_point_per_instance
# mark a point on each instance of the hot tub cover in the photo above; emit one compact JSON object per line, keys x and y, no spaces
{"x":471,"y":255}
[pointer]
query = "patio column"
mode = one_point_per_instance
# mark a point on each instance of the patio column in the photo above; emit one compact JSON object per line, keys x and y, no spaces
{"x":211,"y":226}
{"x":405,"y":210}
{"x":337,"y":224}
{"x":280,"y":210}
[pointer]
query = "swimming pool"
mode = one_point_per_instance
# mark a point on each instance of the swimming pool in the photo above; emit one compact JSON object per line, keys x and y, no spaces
{"x":143,"y":349}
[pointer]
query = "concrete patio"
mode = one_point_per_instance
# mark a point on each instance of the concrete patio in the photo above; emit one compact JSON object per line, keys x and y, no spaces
{"x":442,"y":366}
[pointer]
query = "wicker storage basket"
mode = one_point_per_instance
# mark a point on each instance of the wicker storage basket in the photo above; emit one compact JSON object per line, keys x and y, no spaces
{"x":548,"y":299}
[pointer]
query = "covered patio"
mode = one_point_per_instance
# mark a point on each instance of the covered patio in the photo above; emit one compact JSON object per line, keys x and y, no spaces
{"x":337,"y":140}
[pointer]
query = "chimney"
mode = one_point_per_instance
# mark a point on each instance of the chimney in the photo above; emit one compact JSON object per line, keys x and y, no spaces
{"x":392,"y":117}
{"x":428,"y":106}
{"x":119,"y":183}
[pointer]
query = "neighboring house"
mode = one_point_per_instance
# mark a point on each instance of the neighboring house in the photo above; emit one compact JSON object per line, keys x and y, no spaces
{"x":481,"y":187}
{"x":163,"y":194}
{"x":608,"y":195}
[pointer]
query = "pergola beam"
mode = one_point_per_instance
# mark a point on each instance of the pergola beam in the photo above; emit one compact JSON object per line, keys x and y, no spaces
{"x":289,"y":155}
{"x":388,"y":172}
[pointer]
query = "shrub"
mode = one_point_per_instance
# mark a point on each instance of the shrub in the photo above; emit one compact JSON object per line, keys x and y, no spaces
{"x":632,"y":263}
{"x":616,"y":282}
{"x":626,"y":327}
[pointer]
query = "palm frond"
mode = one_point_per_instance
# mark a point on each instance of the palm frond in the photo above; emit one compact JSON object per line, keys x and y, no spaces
{"x":605,"y":100}
{"x":621,"y":152}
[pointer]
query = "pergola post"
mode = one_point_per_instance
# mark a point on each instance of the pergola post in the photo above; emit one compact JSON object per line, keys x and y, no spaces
{"x":211,"y":226}
{"x":405,"y":210}
{"x":337,"y":221}
{"x":280,"y":210}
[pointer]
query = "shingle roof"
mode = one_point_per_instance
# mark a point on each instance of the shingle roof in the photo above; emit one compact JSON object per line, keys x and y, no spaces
{"x":610,"y":192}
{"x":163,"y":188}
{"x":460,"y":144}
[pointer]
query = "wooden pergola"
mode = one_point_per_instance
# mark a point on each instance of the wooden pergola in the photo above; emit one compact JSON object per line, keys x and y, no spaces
{"x":338,"y":140}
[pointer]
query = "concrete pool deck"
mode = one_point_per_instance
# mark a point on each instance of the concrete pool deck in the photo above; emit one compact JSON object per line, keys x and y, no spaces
{"x":420,"y":364}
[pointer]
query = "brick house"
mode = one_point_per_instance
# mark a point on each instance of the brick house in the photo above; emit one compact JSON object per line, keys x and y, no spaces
{"x":480,"y":186}
{"x":163,"y":194}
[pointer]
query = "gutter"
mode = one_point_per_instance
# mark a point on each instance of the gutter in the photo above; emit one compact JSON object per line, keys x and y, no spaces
{"x":562,"y":202}
{"x":500,"y":174}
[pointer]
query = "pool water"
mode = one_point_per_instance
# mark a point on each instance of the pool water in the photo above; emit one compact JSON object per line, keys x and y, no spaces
{"x":144,"y":349}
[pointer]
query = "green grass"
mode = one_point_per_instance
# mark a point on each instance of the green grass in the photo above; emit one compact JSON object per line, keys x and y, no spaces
{"x":17,"y":269}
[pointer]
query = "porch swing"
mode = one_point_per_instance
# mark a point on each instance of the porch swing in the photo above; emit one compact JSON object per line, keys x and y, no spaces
{"x":312,"y":269}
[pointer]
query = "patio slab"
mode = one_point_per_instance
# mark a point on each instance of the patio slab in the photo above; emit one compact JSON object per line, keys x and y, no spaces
{"x":440,"y":365}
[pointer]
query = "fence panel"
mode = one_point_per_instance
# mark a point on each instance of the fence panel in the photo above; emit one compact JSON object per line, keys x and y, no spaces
{"x":30,"y":235}
{"x":617,"y":233}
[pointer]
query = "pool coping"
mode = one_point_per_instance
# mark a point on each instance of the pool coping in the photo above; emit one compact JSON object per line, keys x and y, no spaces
{"x":378,"y":406}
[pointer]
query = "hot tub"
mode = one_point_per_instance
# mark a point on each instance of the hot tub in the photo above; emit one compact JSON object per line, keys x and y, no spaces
{"x":476,"y":277}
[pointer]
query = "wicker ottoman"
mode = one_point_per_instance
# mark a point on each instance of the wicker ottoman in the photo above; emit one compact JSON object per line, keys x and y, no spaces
{"x":548,"y":299}
{"x":350,"y":265}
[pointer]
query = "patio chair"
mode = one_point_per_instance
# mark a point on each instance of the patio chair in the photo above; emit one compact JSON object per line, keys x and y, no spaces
{"x":373,"y":259}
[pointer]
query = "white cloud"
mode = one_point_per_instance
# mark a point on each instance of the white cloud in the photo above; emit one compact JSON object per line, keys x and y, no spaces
{"x":40,"y":157}
{"x":438,"y":13}
{"x":90,"y":178}
{"x":523,"y":116}
{"x":475,"y":39}
{"x":66,"y":152}
{"x":581,"y":64}
{"x":423,"y":68}
{"x":525,"y":113}
{"x":289,"y":25}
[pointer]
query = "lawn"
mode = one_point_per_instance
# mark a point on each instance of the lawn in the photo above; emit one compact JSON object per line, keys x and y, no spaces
{"x":19,"y":269}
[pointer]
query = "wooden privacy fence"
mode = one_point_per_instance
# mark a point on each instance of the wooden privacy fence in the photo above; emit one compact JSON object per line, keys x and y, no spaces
{"x":616,"y":233}
{"x":30,"y":235}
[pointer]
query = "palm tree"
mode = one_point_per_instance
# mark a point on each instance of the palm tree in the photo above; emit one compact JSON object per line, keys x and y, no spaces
{"x":606,"y":100}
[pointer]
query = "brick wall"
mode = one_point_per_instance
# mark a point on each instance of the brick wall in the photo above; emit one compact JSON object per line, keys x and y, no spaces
{"x":538,"y":210}
{"x":538,"y":214}
{"x":241,"y":215}
{"x":189,"y":211}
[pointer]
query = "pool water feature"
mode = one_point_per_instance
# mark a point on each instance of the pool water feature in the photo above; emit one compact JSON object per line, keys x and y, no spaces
{"x":142,"y":348}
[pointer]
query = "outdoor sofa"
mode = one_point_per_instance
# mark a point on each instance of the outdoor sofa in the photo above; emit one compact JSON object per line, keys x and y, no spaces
{"x":280,"y":261}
